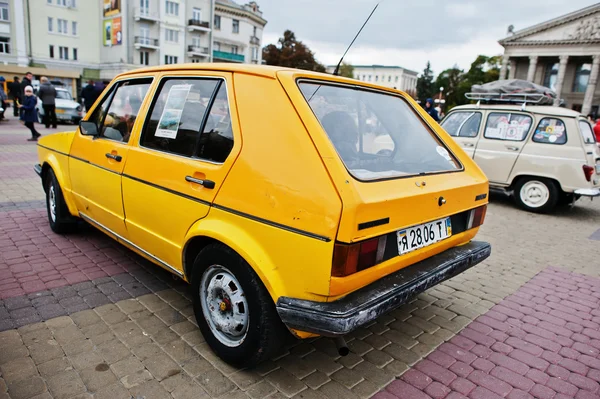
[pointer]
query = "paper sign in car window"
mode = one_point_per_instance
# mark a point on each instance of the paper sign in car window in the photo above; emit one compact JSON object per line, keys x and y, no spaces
{"x":171,"y":116}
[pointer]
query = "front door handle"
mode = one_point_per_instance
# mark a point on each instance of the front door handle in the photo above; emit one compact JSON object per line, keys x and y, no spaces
{"x":512,"y":148}
{"x":206,"y":183}
{"x":117,"y":158}
{"x":469,"y":144}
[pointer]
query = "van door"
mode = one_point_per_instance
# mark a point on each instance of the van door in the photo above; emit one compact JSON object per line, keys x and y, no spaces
{"x":464,"y":126}
{"x":503,"y":139}
{"x":591,"y":148}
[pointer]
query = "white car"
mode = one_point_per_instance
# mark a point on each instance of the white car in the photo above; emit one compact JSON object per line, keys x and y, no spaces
{"x":67,"y":109}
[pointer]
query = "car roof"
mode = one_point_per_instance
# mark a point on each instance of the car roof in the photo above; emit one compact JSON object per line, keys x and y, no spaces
{"x":534,"y":109}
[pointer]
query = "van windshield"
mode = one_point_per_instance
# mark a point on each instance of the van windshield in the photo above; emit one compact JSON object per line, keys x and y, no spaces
{"x":376,"y":135}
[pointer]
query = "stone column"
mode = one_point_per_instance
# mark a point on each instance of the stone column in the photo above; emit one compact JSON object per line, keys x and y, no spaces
{"x":532,"y":65}
{"x":591,"y":87}
{"x":562,"y":68}
{"x":513,"y":69}
{"x":504,"y":67}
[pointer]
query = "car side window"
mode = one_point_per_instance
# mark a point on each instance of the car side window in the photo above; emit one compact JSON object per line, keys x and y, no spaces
{"x":100,"y":111}
{"x":178,"y":114}
{"x":463,"y":124}
{"x":124,"y":106}
{"x":507,"y":126}
{"x":216,"y":140}
{"x":550,"y":131}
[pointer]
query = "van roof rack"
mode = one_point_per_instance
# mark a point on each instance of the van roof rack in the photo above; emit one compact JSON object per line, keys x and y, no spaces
{"x":510,"y":98}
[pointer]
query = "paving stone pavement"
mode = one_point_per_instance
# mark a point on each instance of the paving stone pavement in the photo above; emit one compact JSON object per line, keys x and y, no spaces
{"x":83,"y":317}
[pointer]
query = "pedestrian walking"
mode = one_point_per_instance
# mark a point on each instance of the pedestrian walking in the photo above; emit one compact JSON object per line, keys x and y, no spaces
{"x":3,"y":98}
{"x":29,"y":112}
{"x":89,"y":95}
{"x":597,"y":130}
{"x":47,"y":93}
{"x":431,"y":110}
{"x":27,"y":81}
{"x":14,"y":93}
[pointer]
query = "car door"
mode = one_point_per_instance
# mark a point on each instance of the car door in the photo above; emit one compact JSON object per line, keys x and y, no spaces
{"x":97,"y":162}
{"x":503,"y":139}
{"x":188,"y":143}
{"x":464,"y":126}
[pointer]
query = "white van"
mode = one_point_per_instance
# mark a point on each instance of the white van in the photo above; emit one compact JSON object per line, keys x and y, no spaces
{"x":544,"y":156}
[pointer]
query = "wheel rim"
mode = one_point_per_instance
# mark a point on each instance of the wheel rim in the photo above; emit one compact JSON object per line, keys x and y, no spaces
{"x":224,"y":305}
{"x":52,"y":203}
{"x":534,"y":194}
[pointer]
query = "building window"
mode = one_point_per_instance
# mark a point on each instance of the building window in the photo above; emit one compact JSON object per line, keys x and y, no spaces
{"x":171,"y":35}
{"x":377,"y":78}
{"x":63,"y":53}
{"x":550,"y":76}
{"x":582,"y":77}
{"x":73,"y":4}
{"x":61,"y":3}
{"x":217,"y":46}
{"x":49,"y":1}
{"x":234,"y":49}
{"x":51,"y":51}
{"x":172,"y":8}
{"x":74,"y":28}
{"x":144,"y":56}
{"x":4,"y":45}
{"x":254,"y":31}
{"x":396,"y":80}
{"x":50,"y":25}
{"x":144,"y":6}
{"x":170,"y":59}
{"x":389,"y":78}
{"x":196,"y":14}
{"x":196,"y":41}
{"x":254,"y":53}
{"x":75,"y":54}
{"x":217,"y":22}
{"x":236,"y":26}
{"x":62,"y":26}
{"x":3,"y":11}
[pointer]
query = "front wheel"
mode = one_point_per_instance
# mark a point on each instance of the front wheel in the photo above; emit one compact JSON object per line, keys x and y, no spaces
{"x":60,"y":219}
{"x":234,"y":311}
{"x":536,"y":194}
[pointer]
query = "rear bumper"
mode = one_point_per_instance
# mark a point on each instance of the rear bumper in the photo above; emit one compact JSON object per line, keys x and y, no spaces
{"x":588,"y":192}
{"x":367,"y":304}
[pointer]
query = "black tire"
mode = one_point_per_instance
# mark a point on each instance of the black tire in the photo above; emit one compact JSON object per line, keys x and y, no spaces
{"x":549,"y":189}
{"x":265,"y":332}
{"x":61,"y":221}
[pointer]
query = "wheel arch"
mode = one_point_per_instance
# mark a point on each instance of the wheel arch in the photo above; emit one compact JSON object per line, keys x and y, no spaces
{"x":536,"y":176}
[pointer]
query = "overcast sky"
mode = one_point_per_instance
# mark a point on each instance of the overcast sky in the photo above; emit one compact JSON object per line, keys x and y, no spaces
{"x":407,"y":32}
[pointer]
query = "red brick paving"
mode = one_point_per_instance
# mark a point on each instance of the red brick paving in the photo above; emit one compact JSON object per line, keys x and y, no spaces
{"x":541,"y":342}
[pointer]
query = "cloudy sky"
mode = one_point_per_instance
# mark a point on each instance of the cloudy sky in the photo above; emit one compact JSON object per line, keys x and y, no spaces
{"x":407,"y":32}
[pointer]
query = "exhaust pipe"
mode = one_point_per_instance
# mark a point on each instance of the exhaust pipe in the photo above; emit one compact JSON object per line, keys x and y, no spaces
{"x":342,"y":347}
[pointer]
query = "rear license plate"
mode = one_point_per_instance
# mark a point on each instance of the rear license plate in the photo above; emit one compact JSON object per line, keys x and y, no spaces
{"x":423,"y":235}
{"x":60,"y":111}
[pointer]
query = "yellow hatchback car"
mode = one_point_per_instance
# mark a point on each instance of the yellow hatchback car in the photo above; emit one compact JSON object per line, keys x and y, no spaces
{"x":265,"y":188}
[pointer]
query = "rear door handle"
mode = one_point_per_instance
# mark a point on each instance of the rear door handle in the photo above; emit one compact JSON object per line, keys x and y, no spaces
{"x":117,"y":158}
{"x":469,"y":144}
{"x":206,"y":183}
{"x":512,"y":148}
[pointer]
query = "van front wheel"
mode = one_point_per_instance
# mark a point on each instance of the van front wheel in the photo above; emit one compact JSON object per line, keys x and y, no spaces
{"x":234,"y":311}
{"x":536,"y":194}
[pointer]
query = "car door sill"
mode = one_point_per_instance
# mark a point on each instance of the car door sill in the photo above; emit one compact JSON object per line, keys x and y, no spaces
{"x":126,"y":241}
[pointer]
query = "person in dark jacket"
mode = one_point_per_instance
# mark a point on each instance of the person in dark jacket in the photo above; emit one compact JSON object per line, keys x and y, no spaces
{"x":89,"y":95}
{"x":47,"y":93}
{"x":29,"y":112}
{"x":431,"y":110}
{"x":14,"y":93}
{"x":3,"y":98}
{"x":26,"y":82}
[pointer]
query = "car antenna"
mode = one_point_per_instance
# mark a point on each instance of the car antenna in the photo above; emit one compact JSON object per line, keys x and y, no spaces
{"x":337,"y":68}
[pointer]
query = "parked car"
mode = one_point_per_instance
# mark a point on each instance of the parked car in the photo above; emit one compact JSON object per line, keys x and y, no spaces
{"x":266,"y":203}
{"x":67,"y":109}
{"x":542,"y":155}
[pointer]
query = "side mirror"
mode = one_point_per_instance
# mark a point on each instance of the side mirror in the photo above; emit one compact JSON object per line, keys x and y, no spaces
{"x":88,"y":128}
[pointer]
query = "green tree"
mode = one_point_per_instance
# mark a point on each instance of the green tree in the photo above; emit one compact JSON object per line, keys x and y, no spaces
{"x":450,"y":80}
{"x":425,"y":87}
{"x":346,"y":70}
{"x":291,"y":52}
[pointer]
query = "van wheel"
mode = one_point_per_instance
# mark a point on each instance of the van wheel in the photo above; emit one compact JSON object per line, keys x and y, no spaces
{"x":536,"y":194}
{"x":60,"y":219}
{"x":233,"y":309}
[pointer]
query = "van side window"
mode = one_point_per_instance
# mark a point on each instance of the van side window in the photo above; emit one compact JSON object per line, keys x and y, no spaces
{"x":507,"y":126}
{"x":550,"y":131}
{"x":463,"y":124}
{"x":586,"y":132}
{"x":178,"y":114}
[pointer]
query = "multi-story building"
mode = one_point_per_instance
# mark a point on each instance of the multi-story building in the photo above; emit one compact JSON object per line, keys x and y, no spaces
{"x":237,"y":32}
{"x":394,"y":77}
{"x":13,"y":40}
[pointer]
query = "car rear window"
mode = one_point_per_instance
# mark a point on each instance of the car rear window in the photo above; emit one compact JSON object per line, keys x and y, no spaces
{"x":376,"y":135}
{"x":586,"y":132}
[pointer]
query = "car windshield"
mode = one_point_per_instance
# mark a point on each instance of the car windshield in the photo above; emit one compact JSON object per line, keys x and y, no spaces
{"x":376,"y":135}
{"x":63,"y":94}
{"x":586,"y":132}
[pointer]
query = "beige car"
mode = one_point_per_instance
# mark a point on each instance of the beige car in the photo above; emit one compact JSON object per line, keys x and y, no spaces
{"x":544,"y":156}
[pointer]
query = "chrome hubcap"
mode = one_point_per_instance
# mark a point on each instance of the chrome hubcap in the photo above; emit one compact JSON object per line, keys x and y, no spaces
{"x":224,"y":305}
{"x":52,"y":203}
{"x":534,"y":194}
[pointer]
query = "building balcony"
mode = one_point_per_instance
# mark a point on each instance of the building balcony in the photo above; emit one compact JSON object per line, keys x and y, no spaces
{"x":143,"y":14}
{"x":227,"y":57}
{"x":254,"y":40}
{"x":197,"y":50}
{"x":145,"y":42}
{"x":196,"y":24}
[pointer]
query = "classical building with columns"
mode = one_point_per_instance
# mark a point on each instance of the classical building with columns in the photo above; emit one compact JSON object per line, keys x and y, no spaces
{"x":563,"y":54}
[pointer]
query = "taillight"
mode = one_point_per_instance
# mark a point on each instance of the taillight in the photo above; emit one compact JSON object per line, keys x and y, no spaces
{"x":349,"y":259}
{"x":588,"y":171}
{"x":476,"y":217}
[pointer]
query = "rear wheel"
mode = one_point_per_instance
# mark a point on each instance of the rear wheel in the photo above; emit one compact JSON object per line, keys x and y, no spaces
{"x":536,"y":194}
{"x":60,"y":219}
{"x":233,"y":309}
